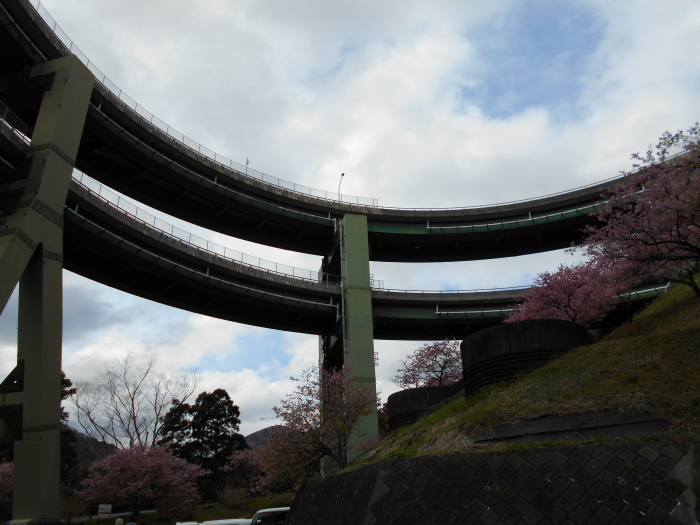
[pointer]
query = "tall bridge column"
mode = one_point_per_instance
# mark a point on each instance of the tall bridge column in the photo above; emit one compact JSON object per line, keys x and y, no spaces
{"x":358,"y":333}
{"x":31,"y":251}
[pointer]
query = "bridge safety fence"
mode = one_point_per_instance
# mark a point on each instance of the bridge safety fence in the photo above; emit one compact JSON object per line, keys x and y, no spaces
{"x":644,"y":292}
{"x":111,"y":198}
{"x":605,"y":182}
{"x":242,"y":169}
{"x":538,"y":219}
{"x":455,"y":292}
{"x":14,"y":124}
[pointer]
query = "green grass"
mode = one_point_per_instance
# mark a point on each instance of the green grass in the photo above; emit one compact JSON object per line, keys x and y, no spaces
{"x":648,"y":365}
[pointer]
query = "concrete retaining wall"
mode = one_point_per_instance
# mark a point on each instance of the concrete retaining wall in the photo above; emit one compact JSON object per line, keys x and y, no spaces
{"x":408,"y":406}
{"x":500,"y":352}
{"x":639,"y":483}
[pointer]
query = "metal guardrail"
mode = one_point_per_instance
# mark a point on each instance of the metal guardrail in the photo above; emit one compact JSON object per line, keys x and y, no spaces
{"x":642,"y":293}
{"x":243,"y":169}
{"x":499,"y":312}
{"x":647,"y":292}
{"x":564,"y":214}
{"x":111,"y":198}
{"x":15,"y":124}
{"x":521,"y":201}
{"x":452,"y":292}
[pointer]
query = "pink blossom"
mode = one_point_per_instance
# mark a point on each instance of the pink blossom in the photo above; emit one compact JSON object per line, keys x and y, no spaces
{"x":318,"y":418}
{"x":651,"y":221}
{"x":582,"y":293}
{"x":432,"y":364}
{"x":6,"y":472}
{"x":140,"y":473}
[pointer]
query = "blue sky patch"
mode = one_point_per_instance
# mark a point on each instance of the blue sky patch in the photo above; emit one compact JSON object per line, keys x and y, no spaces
{"x":535,"y":55}
{"x":253,"y":350}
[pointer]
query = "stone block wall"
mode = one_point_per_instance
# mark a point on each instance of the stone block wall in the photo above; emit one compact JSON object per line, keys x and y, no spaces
{"x":630,"y":483}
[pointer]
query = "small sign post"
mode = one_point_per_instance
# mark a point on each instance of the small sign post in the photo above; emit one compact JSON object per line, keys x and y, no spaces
{"x":104,"y":510}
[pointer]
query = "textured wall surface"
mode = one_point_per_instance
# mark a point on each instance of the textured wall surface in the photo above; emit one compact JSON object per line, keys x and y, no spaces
{"x":639,"y":483}
{"x":500,"y":352}
{"x":408,"y":406}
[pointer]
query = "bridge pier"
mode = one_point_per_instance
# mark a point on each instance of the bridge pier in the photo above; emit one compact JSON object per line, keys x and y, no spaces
{"x":31,"y":252}
{"x":352,"y":344}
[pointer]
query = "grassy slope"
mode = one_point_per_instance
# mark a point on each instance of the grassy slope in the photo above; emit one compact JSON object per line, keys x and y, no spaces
{"x":649,"y":365}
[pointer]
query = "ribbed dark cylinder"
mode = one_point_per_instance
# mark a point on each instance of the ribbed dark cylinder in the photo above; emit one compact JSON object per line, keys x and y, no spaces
{"x":407,"y":407}
{"x":501,"y":352}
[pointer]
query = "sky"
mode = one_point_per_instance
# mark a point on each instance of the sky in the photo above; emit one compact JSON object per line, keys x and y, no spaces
{"x":440,"y":104}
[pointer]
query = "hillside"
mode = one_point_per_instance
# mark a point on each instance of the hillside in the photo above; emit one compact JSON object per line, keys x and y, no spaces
{"x":648,"y":365}
{"x":259,"y":438}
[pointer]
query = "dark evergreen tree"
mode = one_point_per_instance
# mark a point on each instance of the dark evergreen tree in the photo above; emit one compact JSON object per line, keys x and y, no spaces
{"x":205,"y":434}
{"x":70,"y":475}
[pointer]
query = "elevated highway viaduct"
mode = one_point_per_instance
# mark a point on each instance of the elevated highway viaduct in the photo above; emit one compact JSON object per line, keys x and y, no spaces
{"x":126,"y":151}
{"x":58,"y":114}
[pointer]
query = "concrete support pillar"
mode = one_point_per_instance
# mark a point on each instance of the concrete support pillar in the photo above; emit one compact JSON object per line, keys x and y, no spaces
{"x":37,"y":454}
{"x":357,"y":313}
{"x":31,"y":250}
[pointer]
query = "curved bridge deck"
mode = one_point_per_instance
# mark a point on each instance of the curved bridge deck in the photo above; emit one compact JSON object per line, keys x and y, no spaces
{"x":134,"y":155}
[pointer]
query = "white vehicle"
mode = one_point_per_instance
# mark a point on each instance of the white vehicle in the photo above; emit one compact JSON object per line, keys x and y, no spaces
{"x":270,"y":516}
{"x":232,"y":521}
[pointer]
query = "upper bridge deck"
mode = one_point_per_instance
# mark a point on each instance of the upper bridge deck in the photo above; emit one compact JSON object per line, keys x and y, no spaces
{"x":134,"y":152}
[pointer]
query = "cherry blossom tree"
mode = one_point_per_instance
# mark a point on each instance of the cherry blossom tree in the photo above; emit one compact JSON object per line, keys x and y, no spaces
{"x":264,"y":469}
{"x":582,"y":293}
{"x":140,"y":475}
{"x":6,"y":471}
{"x":318,"y":418}
{"x":651,"y":221}
{"x":649,"y":230}
{"x":434,"y":364}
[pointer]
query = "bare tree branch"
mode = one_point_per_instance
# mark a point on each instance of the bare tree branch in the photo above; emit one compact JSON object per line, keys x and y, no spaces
{"x":124,"y":405}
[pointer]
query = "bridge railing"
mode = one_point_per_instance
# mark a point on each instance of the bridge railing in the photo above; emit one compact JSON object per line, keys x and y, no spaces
{"x":12,"y":122}
{"x":111,"y":198}
{"x":606,"y":182}
{"x":514,"y":289}
{"x":245,"y":170}
{"x":644,"y":292}
{"x":538,"y":219}
{"x":242,"y":169}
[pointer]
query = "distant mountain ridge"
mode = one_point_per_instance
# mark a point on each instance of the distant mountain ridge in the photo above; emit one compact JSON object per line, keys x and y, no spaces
{"x":259,"y":438}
